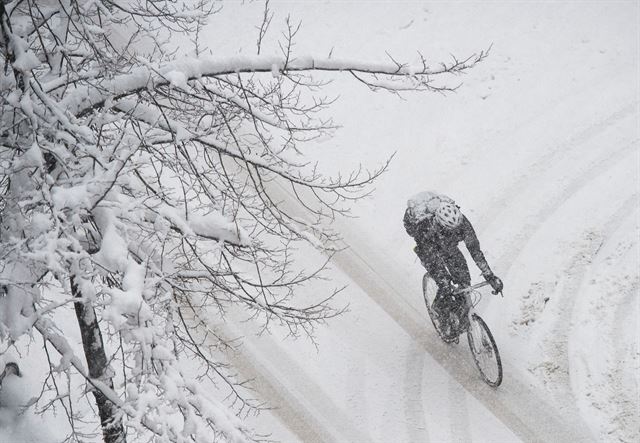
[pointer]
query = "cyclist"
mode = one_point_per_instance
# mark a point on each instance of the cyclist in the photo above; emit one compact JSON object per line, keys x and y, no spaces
{"x":437,"y":225}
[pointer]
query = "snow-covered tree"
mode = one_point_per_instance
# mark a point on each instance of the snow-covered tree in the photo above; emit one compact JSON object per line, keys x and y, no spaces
{"x":138,"y":188}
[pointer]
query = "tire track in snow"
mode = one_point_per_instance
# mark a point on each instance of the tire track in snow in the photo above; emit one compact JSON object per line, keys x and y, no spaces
{"x":304,"y":413}
{"x":622,"y":314}
{"x":628,"y":385}
{"x":599,"y":166}
{"x":560,"y":347}
{"x":460,"y":427}
{"x":558,"y":343}
{"x":358,"y":389}
{"x":313,"y":414}
{"x":534,"y":171}
{"x":417,"y":428}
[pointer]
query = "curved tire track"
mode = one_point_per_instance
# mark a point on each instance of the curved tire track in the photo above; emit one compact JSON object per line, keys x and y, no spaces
{"x":619,"y":395}
{"x":601,"y":165}
{"x":576,"y":272}
{"x":534,"y":171}
{"x":627,"y":387}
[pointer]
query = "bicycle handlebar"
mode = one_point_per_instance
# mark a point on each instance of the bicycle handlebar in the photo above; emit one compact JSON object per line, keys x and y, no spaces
{"x":471,"y":288}
{"x":474,"y":287}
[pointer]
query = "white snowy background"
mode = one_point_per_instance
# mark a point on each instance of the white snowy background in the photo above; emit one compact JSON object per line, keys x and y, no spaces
{"x":539,"y":146}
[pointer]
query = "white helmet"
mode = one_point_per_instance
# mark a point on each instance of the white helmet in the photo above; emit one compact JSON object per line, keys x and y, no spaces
{"x":448,"y":215}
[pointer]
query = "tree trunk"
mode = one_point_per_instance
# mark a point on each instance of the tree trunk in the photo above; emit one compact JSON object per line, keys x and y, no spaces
{"x":112,"y":429}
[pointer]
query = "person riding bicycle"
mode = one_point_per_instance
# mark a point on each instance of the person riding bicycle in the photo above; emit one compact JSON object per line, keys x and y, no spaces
{"x":437,"y":225}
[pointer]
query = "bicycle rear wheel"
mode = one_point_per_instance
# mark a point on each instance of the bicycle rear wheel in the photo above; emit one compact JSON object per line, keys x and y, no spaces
{"x":429,"y":290}
{"x":485,"y":352}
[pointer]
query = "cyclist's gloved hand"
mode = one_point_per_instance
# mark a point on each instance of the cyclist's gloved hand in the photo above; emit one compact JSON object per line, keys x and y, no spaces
{"x":495,"y":282}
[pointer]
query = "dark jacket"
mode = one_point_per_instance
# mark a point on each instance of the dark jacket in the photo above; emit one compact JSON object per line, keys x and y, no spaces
{"x":433,"y":239}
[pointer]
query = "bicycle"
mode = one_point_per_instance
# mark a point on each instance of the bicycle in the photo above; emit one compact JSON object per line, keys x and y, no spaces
{"x":481,"y":343}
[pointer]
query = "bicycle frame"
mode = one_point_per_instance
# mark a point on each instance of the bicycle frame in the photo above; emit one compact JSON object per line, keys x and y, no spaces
{"x":467,"y":293}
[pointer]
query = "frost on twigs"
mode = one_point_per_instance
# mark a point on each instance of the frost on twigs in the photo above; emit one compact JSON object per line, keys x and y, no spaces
{"x":140,"y":194}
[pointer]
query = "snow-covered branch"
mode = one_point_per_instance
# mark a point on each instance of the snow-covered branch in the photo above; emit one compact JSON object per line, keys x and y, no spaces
{"x":178,"y":74}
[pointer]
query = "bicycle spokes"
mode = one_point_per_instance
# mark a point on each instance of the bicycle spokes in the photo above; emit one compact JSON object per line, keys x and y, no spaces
{"x":485,"y":352}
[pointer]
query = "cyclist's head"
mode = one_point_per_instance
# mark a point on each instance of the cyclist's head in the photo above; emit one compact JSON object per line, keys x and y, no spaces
{"x":448,"y":215}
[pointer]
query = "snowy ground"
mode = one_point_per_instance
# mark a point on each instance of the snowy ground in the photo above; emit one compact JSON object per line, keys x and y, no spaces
{"x":540,"y":148}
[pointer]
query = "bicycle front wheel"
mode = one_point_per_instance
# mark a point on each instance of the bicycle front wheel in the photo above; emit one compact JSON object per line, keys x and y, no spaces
{"x":485,"y":352}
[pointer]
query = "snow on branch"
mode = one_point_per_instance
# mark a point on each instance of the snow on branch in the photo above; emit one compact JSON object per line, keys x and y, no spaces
{"x":418,"y":76}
